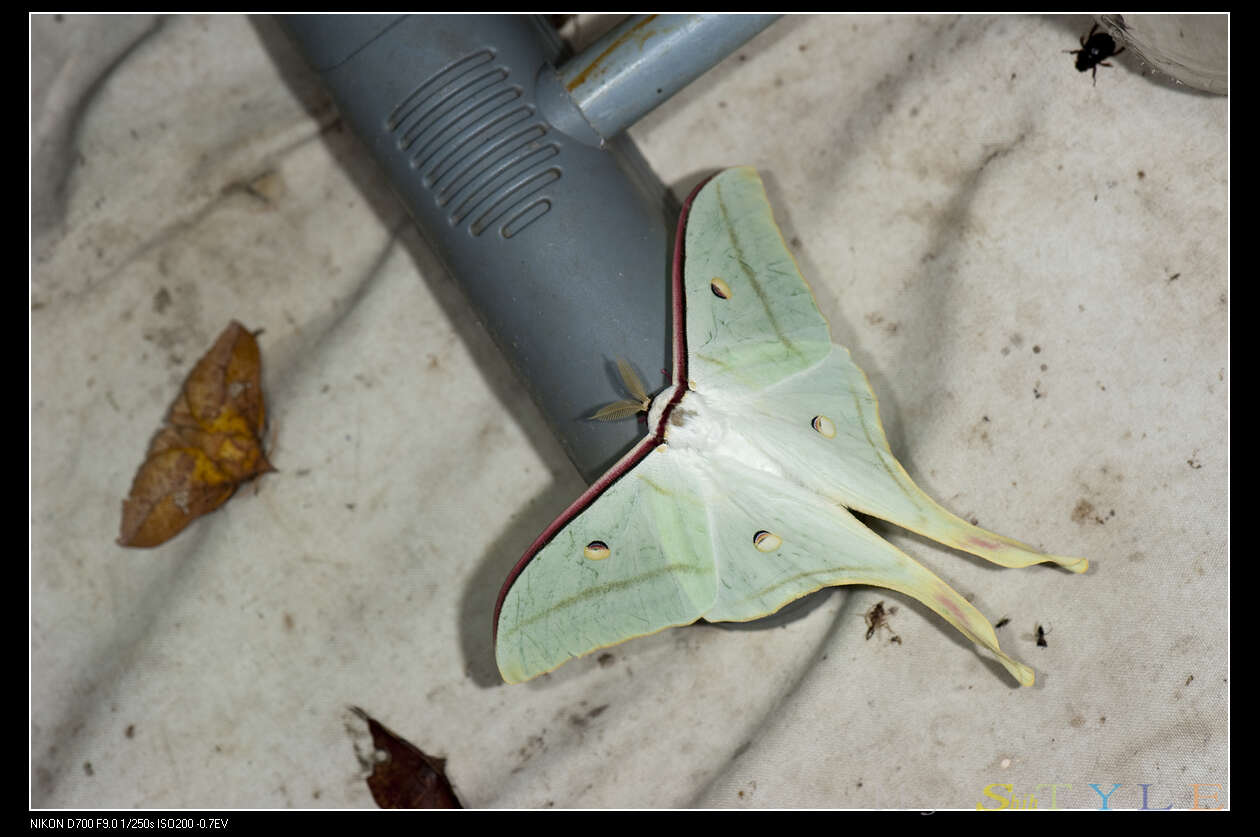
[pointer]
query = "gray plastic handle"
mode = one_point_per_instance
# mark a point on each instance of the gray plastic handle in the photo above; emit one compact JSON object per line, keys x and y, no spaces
{"x":559,"y":235}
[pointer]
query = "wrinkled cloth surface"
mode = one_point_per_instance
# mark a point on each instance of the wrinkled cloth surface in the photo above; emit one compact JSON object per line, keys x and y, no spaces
{"x":1031,"y":268}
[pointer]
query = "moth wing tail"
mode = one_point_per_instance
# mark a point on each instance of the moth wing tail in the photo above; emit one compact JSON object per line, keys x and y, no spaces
{"x":932,"y":520}
{"x":775,"y":542}
{"x":846,"y":457}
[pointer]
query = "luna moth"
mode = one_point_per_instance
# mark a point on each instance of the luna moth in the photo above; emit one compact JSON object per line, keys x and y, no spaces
{"x":737,"y":500}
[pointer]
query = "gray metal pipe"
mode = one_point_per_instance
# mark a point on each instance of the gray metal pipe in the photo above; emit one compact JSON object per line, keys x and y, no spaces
{"x":647,"y":59}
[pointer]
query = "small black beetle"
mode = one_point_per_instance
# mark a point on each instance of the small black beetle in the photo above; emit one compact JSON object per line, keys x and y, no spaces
{"x":1094,"y":51}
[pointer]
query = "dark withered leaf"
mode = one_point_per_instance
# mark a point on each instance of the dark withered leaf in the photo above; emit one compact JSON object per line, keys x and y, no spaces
{"x":406,"y":777}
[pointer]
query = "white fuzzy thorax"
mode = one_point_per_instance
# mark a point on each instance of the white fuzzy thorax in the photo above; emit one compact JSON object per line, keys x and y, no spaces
{"x":710,"y":427}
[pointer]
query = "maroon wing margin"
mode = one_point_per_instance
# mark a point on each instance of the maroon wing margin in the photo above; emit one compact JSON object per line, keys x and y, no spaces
{"x":656,"y":435}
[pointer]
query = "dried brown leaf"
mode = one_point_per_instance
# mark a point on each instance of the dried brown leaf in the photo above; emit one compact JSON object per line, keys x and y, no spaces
{"x":212,"y":442}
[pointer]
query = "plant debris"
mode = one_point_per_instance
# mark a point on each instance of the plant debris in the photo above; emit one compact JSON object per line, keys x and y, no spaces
{"x":403,"y":776}
{"x":876,"y":618}
{"x":211,"y":444}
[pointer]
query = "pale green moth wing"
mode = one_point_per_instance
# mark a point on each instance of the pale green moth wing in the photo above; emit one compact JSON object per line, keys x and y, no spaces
{"x":823,"y":428}
{"x":819,"y":410}
{"x":637,"y":560}
{"x":770,"y":329}
{"x":777,"y":541}
{"x":734,"y":502}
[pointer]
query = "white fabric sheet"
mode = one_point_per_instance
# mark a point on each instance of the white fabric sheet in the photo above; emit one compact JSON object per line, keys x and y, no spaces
{"x":1032,"y":269}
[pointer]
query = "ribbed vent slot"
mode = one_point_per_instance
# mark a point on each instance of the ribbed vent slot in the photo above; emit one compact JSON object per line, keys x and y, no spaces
{"x":477,"y":146}
{"x":485,"y":138}
{"x":525,"y":217}
{"x":512,"y":197}
{"x":480,"y":109}
{"x":454,"y":101}
{"x":491,"y":160}
{"x":492,"y":184}
{"x":433,"y":85}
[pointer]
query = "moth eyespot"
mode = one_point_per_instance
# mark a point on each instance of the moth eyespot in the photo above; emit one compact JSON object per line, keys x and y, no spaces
{"x":720,"y":289}
{"x":597,"y":550}
{"x":824,"y":426}
{"x":767,"y":541}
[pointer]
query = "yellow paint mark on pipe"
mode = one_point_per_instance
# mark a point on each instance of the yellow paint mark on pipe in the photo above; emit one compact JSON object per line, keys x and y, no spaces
{"x":594,"y":66}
